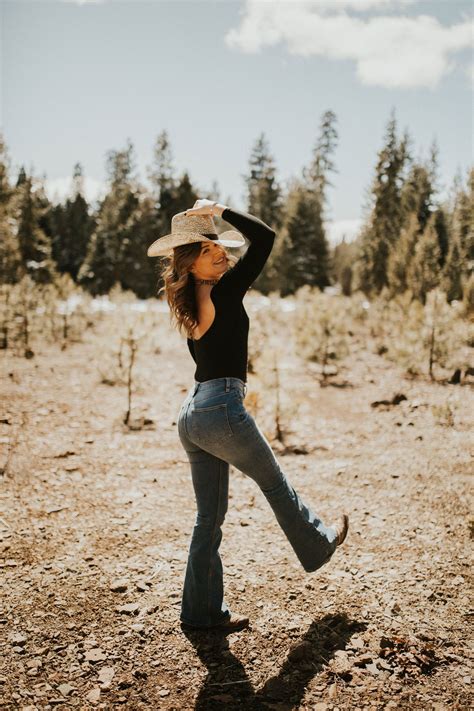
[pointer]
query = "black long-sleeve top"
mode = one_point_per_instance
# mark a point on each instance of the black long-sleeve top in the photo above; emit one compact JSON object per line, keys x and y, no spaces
{"x":223,"y":349}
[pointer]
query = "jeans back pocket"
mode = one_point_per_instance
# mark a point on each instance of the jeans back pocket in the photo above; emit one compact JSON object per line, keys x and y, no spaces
{"x":210,"y":422}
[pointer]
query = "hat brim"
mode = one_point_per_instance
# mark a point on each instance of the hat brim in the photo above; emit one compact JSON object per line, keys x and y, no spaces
{"x":165,"y":245}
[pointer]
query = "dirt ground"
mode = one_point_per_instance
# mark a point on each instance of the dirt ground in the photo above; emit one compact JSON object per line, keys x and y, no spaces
{"x":96,"y":522}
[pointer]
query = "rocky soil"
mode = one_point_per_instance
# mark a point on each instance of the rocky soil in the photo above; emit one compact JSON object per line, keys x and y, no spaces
{"x":96,"y":520}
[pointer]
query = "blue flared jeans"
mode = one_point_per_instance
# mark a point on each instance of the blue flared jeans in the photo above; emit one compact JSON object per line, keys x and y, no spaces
{"x":216,"y":430}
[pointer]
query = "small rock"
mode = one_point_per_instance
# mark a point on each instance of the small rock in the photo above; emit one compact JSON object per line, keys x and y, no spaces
{"x":94,"y":695}
{"x":332,"y":692}
{"x":34,"y":663}
{"x":151,"y":609}
{"x":131,"y":608}
{"x":363,"y":660}
{"x":125,"y":681}
{"x":119,"y":585}
{"x":106,"y":675}
{"x":164,"y":692}
{"x":65,"y":689}
{"x":95,"y":655}
{"x":341,"y":663}
{"x":372,"y":668}
{"x":18,"y":639}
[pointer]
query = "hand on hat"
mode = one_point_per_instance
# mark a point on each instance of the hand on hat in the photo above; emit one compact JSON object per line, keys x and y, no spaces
{"x":205,"y":207}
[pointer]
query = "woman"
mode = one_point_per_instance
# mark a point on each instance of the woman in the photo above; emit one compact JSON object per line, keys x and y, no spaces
{"x":205,"y":298}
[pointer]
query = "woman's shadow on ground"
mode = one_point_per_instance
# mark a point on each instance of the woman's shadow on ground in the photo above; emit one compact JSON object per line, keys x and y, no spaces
{"x":228,"y":686}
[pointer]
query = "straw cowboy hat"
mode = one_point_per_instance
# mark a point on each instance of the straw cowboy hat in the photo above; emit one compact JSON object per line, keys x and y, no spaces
{"x":193,"y":228}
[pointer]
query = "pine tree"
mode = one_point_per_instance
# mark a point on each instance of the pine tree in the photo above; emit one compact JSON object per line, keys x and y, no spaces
{"x":383,"y":227}
{"x":463,"y":223}
{"x":185,"y":195}
{"x":317,"y":175}
{"x":468,"y":295}
{"x":263,"y":191}
{"x":10,"y":259}
{"x":163,"y":182}
{"x":402,"y":254}
{"x":264,"y":200}
{"x":72,"y":228}
{"x":441,"y":227}
{"x":452,"y":273}
{"x":116,"y":218}
{"x":417,"y":195}
{"x":137,"y":270}
{"x":34,"y":244}
{"x":424,"y":271}
{"x":305,"y":247}
{"x":302,"y":254}
{"x":342,"y":262}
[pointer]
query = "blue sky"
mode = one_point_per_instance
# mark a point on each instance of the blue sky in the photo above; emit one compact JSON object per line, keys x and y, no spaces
{"x":80,"y":77}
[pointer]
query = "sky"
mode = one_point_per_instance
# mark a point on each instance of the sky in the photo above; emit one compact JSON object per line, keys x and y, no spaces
{"x":81,"y":77}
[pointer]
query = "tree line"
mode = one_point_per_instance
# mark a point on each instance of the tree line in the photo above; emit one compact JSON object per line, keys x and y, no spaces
{"x":411,"y":240}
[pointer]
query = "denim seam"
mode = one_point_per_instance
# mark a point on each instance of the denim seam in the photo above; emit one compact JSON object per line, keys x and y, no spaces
{"x":255,"y":437}
{"x":226,"y":412}
{"x":185,"y":419}
{"x":210,"y":547}
{"x":210,"y":408}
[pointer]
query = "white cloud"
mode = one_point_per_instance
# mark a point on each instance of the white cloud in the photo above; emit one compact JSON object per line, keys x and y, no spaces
{"x":58,"y":189}
{"x":339,"y":229}
{"x":389,"y":51}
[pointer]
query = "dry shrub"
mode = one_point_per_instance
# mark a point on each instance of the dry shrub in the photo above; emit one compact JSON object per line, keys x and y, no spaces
{"x":322,"y":328}
{"x":422,"y":338}
{"x":32,"y":313}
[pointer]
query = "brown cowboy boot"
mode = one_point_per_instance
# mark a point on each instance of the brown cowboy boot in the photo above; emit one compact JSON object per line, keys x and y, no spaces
{"x":341,"y":528}
{"x":233,"y":624}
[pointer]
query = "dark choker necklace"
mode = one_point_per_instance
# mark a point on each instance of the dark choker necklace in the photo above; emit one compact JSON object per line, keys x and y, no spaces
{"x":206,"y":281}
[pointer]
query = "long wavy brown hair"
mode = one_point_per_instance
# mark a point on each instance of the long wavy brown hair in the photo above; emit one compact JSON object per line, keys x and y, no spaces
{"x":179,"y":285}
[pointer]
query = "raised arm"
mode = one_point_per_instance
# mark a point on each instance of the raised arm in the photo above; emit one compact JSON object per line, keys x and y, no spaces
{"x":261,"y":237}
